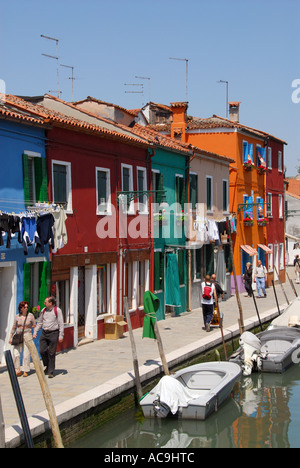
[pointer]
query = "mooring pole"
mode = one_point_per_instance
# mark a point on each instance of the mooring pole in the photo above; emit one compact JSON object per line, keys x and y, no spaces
{"x":254,"y":300}
{"x":276,"y":297}
{"x":2,"y":427}
{"x":45,"y":390}
{"x":18,"y":399}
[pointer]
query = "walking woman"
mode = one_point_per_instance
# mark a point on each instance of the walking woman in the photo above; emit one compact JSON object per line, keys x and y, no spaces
{"x":248,"y":279}
{"x":23,"y":323}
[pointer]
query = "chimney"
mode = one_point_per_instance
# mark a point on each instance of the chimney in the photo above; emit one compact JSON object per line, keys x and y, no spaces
{"x":234,"y":111}
{"x":178,"y":125}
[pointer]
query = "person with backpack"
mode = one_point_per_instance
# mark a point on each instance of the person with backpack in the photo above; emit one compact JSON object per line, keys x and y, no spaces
{"x":208,"y":296}
{"x":52,"y":322}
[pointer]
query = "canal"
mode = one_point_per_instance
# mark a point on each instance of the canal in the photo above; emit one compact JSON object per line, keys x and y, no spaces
{"x":264,"y":412}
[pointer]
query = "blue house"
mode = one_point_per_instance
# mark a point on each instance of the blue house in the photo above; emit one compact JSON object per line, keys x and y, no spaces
{"x":23,"y":182}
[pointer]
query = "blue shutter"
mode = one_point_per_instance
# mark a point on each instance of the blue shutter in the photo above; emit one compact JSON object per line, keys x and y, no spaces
{"x":245,"y":151}
{"x":250,"y":151}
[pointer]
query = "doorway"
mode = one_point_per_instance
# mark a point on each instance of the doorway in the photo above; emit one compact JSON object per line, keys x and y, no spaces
{"x":81,"y":302}
{"x":8,"y":291}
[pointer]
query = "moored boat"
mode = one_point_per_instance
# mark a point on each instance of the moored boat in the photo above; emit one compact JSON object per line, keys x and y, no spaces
{"x":192,"y":393}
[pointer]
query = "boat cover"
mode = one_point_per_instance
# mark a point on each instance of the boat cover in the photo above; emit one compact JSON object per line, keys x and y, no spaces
{"x":171,"y":392}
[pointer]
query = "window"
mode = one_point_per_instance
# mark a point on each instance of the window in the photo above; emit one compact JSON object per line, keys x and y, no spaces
{"x":179,"y":190}
{"x":159,"y":271}
{"x":280,"y":207}
{"x":103,"y":190}
{"x":209,"y":193}
{"x":280,"y":161}
{"x":270,"y":207}
{"x":269,"y":158}
{"x":61,"y":291}
{"x":248,"y":207}
{"x":260,"y":207}
{"x":260,"y":157}
{"x":247,"y":152}
{"x":101,"y":289}
{"x":281,"y":256}
{"x":35,"y":178}
{"x":193,"y":190}
{"x":142,"y":187}
{"x":127,"y":185}
{"x":225,"y":196}
{"x":270,"y":258}
{"x":157,"y":186}
{"x":61,"y":181}
{"x":142,"y":282}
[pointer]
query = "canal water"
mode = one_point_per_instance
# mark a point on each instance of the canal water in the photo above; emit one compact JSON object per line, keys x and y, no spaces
{"x":264,"y":412}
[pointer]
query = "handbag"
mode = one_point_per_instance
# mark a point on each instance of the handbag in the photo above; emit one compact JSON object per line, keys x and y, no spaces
{"x":18,"y":338}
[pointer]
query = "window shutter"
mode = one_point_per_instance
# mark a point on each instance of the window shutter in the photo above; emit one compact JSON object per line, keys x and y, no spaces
{"x":41,"y":180}
{"x":44,"y":282}
{"x":26,"y":181}
{"x":245,"y":151}
{"x":27,"y":282}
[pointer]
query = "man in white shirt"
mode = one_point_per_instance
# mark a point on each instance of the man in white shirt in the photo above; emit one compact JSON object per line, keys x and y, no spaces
{"x":208,"y":296}
{"x":260,"y":277}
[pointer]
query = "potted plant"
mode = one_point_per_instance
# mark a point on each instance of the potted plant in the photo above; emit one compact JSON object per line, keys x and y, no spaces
{"x":261,"y":169}
{"x":248,"y":165}
{"x":181,"y":217}
{"x":262,"y":221}
{"x":248,"y":221}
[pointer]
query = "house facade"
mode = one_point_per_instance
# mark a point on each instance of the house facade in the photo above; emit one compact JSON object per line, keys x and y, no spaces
{"x":24,"y":274}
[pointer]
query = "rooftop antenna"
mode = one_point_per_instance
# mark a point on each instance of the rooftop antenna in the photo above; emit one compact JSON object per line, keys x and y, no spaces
{"x":136,"y":92}
{"x":186,"y":72}
{"x":145,"y":78}
{"x":70,"y":78}
{"x":53,"y":57}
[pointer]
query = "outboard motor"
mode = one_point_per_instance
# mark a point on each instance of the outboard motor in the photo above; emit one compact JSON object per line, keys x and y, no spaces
{"x":161,"y":409}
{"x":251,"y":346}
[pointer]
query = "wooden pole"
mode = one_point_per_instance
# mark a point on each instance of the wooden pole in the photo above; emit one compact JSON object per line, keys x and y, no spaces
{"x":241,"y":319}
{"x":286,"y":298}
{"x":276,"y":298}
{"x":222,"y":333}
{"x":2,"y":427}
{"x":161,"y":349}
{"x":45,"y":390}
{"x":133,"y":349}
{"x":254,"y":300}
{"x":292,"y":284}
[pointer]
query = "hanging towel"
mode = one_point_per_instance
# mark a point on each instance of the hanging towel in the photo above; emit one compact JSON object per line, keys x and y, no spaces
{"x":59,"y":230}
{"x":172,"y":281}
{"x":151,"y":305}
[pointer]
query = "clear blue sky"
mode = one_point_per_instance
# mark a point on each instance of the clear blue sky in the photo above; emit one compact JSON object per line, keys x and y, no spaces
{"x":254,"y":45}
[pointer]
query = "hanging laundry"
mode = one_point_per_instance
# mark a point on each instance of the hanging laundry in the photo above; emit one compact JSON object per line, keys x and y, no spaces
{"x":213,"y":232}
{"x":29,"y":233}
{"x":5,"y":227}
{"x":59,"y":230}
{"x":45,"y":224}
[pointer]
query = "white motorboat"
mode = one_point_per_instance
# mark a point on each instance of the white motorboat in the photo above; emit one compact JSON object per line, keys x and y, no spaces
{"x":192,"y":393}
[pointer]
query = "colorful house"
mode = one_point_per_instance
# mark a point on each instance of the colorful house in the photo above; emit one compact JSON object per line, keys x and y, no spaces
{"x":248,"y":148}
{"x":23,"y":182}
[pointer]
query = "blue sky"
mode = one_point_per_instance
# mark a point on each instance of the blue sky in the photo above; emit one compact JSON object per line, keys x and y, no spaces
{"x":254,"y":45}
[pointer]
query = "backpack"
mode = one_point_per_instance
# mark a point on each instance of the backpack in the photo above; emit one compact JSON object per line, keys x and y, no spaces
{"x":207,"y":293}
{"x":55,"y":311}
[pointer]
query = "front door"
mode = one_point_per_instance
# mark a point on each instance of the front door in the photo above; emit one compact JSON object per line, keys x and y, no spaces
{"x":81,"y":302}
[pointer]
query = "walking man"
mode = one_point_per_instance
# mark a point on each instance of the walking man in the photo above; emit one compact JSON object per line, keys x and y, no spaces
{"x":260,"y":277}
{"x":208,"y":297}
{"x":52,"y":323}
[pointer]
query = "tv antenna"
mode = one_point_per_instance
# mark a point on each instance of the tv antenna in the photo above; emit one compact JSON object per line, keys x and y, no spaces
{"x":186,"y":72}
{"x":145,"y":78}
{"x":136,"y":92}
{"x":70,"y":78}
{"x":53,"y":57}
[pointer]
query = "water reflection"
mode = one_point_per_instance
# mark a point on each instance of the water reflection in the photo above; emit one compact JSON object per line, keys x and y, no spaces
{"x":262,"y":413}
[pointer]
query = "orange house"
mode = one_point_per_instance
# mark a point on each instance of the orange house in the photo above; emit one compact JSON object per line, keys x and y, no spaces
{"x":248,"y":148}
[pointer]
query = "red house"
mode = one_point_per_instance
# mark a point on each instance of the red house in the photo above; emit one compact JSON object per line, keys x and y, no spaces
{"x":93,"y":165}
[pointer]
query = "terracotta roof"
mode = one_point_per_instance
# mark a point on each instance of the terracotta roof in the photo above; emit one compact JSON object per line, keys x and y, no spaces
{"x":26,"y":110}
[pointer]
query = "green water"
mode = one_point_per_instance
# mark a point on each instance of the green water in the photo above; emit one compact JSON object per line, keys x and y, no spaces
{"x":264,"y":412}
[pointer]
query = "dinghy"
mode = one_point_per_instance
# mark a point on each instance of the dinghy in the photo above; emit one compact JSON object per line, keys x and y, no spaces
{"x":192,"y":393}
{"x":273,"y":350}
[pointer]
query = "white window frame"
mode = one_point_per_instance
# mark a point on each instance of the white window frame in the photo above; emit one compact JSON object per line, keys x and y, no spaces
{"x":281,"y":256}
{"x":106,"y":211}
{"x":142,"y":207}
{"x":270,"y":203}
{"x":131,"y":205}
{"x":280,"y":206}
{"x":269,"y":158}
{"x":68,"y":166}
{"x":227,"y":196}
{"x":270,"y":259}
{"x":212,"y":194}
{"x":280,"y":161}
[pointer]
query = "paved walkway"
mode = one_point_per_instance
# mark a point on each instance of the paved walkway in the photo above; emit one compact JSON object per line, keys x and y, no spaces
{"x":85,"y":369}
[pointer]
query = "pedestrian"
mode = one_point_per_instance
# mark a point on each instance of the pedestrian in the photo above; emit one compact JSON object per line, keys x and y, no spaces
{"x":219,"y":290}
{"x":52,"y":323}
{"x":22,"y":324}
{"x":297,"y":268}
{"x":208,"y":297}
{"x":248,"y":279}
{"x":260,"y":277}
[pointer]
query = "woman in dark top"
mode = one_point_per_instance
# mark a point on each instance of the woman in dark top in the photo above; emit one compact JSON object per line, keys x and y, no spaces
{"x":248,"y":279}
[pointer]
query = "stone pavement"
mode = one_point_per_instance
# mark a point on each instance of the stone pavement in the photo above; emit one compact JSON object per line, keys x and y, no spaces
{"x":95,"y":372}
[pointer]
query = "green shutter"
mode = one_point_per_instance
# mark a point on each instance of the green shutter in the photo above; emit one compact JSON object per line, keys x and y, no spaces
{"x":41,"y":180}
{"x":44,"y":282}
{"x":26,"y":180}
{"x":27,"y":282}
